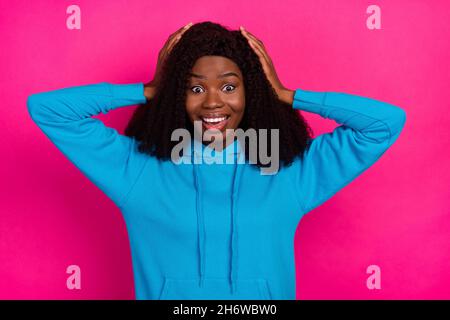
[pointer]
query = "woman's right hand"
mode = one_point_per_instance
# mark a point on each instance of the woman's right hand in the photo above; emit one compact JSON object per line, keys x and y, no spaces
{"x":151,"y":87}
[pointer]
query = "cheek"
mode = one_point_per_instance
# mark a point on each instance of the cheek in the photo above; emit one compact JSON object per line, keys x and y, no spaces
{"x":237,"y":104}
{"x":238,"y":107}
{"x":190,"y":110}
{"x":238,"y":115}
{"x":236,"y":99}
{"x":193,"y":105}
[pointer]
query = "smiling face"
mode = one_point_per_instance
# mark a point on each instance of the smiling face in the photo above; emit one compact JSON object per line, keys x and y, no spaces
{"x":215,"y":94}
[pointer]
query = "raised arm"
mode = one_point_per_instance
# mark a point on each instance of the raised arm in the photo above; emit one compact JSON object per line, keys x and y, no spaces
{"x":367,"y":129}
{"x":110,"y":160}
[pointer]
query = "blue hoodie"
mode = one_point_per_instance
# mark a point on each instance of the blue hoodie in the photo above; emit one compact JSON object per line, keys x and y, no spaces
{"x":214,"y":231}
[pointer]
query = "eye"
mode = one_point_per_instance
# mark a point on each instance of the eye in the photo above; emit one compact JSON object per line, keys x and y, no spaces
{"x":194,"y":88}
{"x":228,"y":85}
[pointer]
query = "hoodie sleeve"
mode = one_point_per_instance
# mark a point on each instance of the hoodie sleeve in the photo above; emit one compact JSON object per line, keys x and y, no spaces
{"x":108,"y":159}
{"x":331,"y":161}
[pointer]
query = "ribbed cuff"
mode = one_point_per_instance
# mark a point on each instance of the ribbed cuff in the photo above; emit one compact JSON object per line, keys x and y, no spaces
{"x":310,"y":101}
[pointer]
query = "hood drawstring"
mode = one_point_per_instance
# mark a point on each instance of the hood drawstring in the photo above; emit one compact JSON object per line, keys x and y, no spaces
{"x":236,"y":178}
{"x":201,"y":225}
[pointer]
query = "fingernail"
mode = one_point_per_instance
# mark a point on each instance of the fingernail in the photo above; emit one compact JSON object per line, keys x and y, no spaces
{"x":242,"y":28}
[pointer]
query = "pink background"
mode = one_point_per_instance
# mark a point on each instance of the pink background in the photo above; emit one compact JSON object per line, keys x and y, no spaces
{"x":396,"y":215}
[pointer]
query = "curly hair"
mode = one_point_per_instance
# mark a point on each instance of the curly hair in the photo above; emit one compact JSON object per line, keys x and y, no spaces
{"x":152,"y":123}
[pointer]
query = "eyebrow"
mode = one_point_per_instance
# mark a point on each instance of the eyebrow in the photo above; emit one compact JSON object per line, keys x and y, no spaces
{"x":226,"y":74}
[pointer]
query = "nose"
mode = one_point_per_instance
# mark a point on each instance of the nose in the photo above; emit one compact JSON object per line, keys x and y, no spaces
{"x":213,"y":101}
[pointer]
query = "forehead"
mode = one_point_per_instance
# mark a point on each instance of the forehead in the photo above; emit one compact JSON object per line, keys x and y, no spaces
{"x":214,"y":65}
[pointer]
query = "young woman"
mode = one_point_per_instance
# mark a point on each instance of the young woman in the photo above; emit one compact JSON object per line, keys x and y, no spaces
{"x":214,"y":231}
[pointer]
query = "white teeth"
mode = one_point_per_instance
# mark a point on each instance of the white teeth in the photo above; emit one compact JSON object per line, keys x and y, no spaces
{"x":214,"y":119}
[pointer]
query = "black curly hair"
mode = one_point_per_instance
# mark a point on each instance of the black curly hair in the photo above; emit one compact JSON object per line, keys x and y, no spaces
{"x":152,"y":123}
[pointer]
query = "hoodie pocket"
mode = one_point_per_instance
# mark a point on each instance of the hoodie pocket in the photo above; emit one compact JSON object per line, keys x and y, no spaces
{"x":215,"y":289}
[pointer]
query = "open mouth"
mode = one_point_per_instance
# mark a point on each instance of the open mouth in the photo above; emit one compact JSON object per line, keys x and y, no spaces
{"x":215,"y":122}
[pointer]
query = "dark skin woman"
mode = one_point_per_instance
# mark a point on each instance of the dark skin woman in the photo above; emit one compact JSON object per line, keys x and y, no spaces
{"x":226,"y":80}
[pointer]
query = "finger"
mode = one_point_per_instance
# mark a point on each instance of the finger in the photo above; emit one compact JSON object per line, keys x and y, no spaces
{"x":171,"y":44}
{"x":265,"y":64}
{"x":261,"y":55}
{"x":249,"y":35}
{"x":255,"y":48}
{"x":260,"y":47}
{"x":174,"y":42}
{"x":173,"y":35}
{"x":177,"y":36}
{"x":260,"y":50}
{"x":258,"y":43}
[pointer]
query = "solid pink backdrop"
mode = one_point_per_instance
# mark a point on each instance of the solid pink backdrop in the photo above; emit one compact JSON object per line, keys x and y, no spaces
{"x":395,"y":216}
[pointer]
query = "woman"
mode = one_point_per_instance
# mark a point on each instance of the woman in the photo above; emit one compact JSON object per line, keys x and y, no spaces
{"x":214,"y":231}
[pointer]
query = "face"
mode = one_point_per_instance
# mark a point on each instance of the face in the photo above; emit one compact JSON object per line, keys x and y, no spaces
{"x":215,"y":94}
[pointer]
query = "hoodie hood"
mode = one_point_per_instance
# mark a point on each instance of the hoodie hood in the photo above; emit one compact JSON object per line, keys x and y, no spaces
{"x":231,"y":155}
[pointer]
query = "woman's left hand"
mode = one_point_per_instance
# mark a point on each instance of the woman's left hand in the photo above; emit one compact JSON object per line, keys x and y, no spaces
{"x":283,"y":93}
